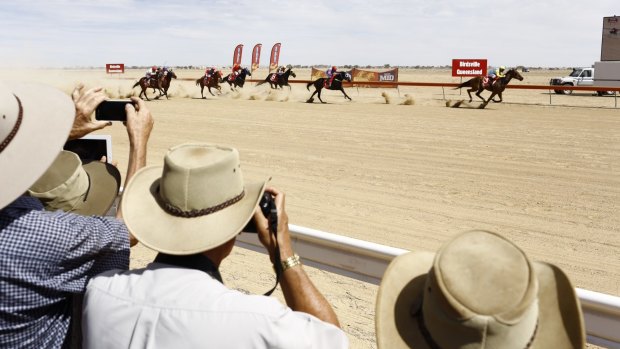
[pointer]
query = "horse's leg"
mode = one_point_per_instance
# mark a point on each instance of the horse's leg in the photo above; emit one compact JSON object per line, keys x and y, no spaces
{"x":202,"y":88}
{"x":310,"y":100}
{"x":500,"y":97}
{"x":491,"y":97}
{"x":469,"y":91}
{"x":209,"y":87}
{"x":345,"y":94}
{"x":319,"y":95}
{"x":478,"y":94}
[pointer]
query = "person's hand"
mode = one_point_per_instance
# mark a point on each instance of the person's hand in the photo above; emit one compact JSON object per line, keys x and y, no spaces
{"x":85,"y":104}
{"x":139,"y":122}
{"x":283,"y":236}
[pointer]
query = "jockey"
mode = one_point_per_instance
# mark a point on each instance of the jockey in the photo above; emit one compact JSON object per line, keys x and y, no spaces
{"x":236,"y":70}
{"x":331,"y":74}
{"x":152,"y":71}
{"x":497,"y":73}
{"x":209,"y":73}
{"x":281,"y":70}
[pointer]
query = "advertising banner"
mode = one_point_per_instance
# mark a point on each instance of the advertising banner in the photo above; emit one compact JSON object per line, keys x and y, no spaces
{"x":360,"y":75}
{"x":237,"y":54}
{"x":469,"y":67}
{"x":610,"y":45}
{"x":115,"y":68}
{"x":275,"y":57}
{"x":256,"y":56}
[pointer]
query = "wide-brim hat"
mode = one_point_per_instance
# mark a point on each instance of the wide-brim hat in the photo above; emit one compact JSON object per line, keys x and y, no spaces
{"x":69,"y":185}
{"x":197,"y":201}
{"x":479,"y":291}
{"x":35,"y":121}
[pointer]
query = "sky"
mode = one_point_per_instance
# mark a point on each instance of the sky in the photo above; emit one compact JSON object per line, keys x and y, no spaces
{"x":74,"y":33}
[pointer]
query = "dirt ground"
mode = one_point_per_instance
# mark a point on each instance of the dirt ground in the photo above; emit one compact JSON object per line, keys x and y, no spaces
{"x":398,"y":167}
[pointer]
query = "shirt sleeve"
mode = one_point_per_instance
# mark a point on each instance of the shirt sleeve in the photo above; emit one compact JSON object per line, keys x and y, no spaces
{"x":304,"y":331}
{"x":94,"y":245}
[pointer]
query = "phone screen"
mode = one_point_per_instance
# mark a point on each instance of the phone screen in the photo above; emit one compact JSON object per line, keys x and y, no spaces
{"x":88,"y":149}
{"x":113,"y":110}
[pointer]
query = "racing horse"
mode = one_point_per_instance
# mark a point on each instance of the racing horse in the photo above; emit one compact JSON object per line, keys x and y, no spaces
{"x":213,"y":81}
{"x":497,"y":87}
{"x":320,"y":84}
{"x":239,"y":81}
{"x":279,"y":80}
{"x":164,"y":79}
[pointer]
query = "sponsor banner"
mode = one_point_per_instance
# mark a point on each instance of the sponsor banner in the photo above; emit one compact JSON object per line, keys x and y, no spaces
{"x":610,"y":46}
{"x":114,"y":68}
{"x":275,"y":57}
{"x":469,"y":67}
{"x":256,"y":56}
{"x":237,"y":54}
{"x":360,"y":75}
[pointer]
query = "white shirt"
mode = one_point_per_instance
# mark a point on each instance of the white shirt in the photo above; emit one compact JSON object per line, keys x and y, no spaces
{"x":164,"y":306}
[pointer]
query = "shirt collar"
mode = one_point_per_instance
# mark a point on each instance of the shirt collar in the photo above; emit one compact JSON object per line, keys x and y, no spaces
{"x":26,"y":202}
{"x":193,"y":261}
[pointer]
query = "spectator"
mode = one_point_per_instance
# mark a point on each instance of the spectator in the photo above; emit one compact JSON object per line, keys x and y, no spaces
{"x":479,"y":291}
{"x":191,"y":211}
{"x":46,"y":257}
{"x":70,"y":186}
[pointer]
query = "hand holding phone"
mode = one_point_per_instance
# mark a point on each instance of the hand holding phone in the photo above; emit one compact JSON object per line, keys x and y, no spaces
{"x":112,"y":110}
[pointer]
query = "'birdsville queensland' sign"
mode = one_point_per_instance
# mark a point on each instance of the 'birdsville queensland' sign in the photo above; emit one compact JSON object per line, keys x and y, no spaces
{"x":112,"y":68}
{"x":469,"y":67}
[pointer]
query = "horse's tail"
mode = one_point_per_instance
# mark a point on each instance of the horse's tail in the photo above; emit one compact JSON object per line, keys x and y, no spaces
{"x":309,"y":84}
{"x":465,"y":84}
{"x":137,"y":83}
{"x":261,"y":82}
{"x":198,"y":81}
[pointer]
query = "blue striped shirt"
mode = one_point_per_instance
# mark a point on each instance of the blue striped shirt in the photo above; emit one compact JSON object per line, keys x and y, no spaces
{"x":45,"y":258}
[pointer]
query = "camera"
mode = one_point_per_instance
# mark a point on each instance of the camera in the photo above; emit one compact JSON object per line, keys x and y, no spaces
{"x":112,"y":110}
{"x":268,"y":207}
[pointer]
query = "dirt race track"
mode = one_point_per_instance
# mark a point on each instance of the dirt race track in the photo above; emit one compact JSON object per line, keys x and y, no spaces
{"x":409,"y":174}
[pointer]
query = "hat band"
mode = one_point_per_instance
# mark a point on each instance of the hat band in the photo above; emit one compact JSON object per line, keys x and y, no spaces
{"x":175,"y":211}
{"x":433,"y":345}
{"x":18,"y":123}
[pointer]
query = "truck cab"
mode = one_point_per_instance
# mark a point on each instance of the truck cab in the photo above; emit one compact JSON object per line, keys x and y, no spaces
{"x":578,"y":77}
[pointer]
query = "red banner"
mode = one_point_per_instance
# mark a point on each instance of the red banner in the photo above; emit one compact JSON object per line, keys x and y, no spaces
{"x":275,"y":57}
{"x":112,"y":68}
{"x":256,"y":56}
{"x":469,"y":67}
{"x":237,"y":54}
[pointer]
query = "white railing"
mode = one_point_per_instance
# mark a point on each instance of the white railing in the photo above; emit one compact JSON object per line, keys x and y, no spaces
{"x":367,"y":261}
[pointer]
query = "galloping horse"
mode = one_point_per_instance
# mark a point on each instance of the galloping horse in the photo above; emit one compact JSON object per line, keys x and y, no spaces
{"x":163,"y":79}
{"x":319,"y":84}
{"x":279,"y":79}
{"x":239,"y":80}
{"x":213,"y":81}
{"x":496,"y":88}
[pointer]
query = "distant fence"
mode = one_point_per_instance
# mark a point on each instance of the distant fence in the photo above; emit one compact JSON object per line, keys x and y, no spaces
{"x":367,"y":261}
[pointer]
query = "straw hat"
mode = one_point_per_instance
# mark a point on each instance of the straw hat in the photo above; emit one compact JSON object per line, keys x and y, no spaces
{"x":479,"y":291}
{"x":35,"y":121}
{"x":67,"y":185}
{"x":197,"y":201}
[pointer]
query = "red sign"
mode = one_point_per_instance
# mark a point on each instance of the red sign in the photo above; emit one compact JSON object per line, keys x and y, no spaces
{"x":237,"y":55}
{"x":275,"y":57}
{"x":256,"y":56}
{"x":469,"y":67}
{"x":112,"y":68}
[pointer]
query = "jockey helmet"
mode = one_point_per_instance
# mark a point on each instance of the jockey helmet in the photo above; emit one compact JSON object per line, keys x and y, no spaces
{"x":502,"y":68}
{"x":165,"y":68}
{"x":237,"y":66}
{"x":154,"y":67}
{"x":334,"y":68}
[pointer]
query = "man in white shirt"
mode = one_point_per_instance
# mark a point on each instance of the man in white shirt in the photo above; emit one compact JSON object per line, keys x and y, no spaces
{"x":190,"y":211}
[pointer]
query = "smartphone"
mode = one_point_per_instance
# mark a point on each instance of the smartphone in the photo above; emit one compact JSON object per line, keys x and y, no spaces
{"x":91,"y":147}
{"x":112,"y":110}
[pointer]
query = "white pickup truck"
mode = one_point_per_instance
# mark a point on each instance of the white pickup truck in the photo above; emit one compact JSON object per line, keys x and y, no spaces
{"x":578,"y":77}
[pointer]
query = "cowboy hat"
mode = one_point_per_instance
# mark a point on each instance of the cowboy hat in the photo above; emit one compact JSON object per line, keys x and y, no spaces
{"x":67,"y":185}
{"x":479,"y":291}
{"x":35,"y":121}
{"x":197,"y":201}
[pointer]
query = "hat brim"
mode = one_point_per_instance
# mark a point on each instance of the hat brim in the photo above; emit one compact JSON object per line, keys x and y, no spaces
{"x":148,"y":222}
{"x":105,"y":182}
{"x":48,"y":116}
{"x":560,"y":324}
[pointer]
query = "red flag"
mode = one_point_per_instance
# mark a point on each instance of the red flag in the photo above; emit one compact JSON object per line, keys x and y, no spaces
{"x":256,"y":56}
{"x":275,"y":57}
{"x":237,"y":54}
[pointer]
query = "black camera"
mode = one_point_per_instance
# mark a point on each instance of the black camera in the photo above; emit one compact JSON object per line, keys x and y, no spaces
{"x":268,"y":207}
